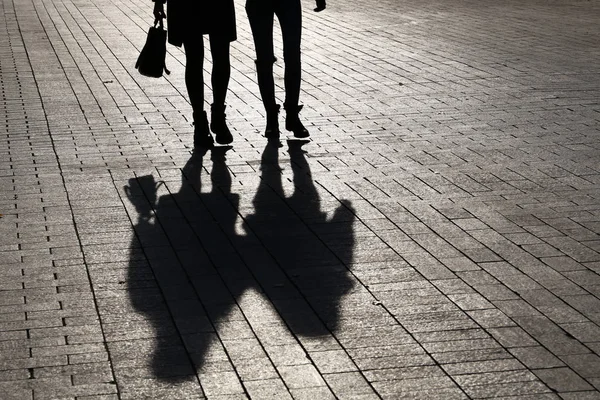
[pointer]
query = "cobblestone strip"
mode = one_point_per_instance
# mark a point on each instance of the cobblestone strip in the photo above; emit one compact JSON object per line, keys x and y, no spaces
{"x":51,"y":340}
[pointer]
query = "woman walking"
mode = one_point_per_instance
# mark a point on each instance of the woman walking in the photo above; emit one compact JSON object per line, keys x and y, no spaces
{"x":188,"y":21}
{"x":289,"y":13}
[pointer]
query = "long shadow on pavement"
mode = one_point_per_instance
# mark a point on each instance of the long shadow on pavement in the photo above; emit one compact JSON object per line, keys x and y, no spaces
{"x":202,"y":265}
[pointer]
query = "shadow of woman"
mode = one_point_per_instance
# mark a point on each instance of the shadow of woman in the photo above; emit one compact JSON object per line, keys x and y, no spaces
{"x":200,"y":268}
{"x":293,"y":230}
{"x":175,"y":230}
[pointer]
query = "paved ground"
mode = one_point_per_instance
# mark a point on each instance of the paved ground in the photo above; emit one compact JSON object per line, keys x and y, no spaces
{"x":439,"y":237}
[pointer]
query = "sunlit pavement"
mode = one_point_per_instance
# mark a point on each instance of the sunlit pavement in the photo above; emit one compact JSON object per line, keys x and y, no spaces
{"x":439,"y":237}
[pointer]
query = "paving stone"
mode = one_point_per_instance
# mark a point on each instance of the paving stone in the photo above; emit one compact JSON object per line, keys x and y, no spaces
{"x":389,"y":387}
{"x":332,"y":361}
{"x":312,"y":393}
{"x":506,"y":389}
{"x":255,"y":369}
{"x":536,"y":357}
{"x":492,"y":378}
{"x":586,"y":365}
{"x":220,"y":383}
{"x":512,"y":337}
{"x":287,"y":355}
{"x":443,"y":221}
{"x":267,"y":389}
{"x":583,"y":331}
{"x":349,"y":384}
{"x":151,"y":388}
{"x":562,"y":379}
{"x":590,"y":395}
{"x":505,"y":364}
{"x":301,"y":376}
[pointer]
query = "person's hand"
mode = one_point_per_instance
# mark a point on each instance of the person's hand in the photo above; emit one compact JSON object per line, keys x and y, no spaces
{"x":320,"y":5}
{"x":159,"y":11}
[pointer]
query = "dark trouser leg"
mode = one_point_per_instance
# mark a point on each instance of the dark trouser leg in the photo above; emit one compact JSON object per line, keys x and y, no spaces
{"x":289,"y":13}
{"x":260,"y":15}
{"x":194,"y":79}
{"x":221,"y":71}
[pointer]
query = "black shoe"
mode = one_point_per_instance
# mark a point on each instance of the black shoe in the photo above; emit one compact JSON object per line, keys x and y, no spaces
{"x":292,"y":122}
{"x":202,"y":136}
{"x":272,"y":129}
{"x":218,"y":125}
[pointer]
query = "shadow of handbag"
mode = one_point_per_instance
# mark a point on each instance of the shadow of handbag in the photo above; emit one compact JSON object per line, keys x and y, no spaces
{"x":151,"y":61}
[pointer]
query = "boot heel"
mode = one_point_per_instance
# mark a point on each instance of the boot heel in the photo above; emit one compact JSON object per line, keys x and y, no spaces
{"x":272,"y":128}
{"x":202,"y":136}
{"x":292,"y":122}
{"x":219,"y":126}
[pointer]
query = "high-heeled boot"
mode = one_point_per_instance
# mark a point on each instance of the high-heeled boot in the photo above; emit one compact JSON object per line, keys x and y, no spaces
{"x":202,"y":136}
{"x":292,"y":121}
{"x":218,"y":125}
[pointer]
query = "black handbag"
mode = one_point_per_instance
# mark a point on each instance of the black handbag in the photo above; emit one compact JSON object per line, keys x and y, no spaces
{"x":151,"y":61}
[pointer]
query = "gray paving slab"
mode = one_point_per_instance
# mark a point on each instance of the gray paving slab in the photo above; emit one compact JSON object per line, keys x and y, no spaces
{"x":439,"y":236}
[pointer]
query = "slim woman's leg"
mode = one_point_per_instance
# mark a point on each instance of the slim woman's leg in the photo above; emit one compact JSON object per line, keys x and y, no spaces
{"x":289,"y":13}
{"x":260,"y":15}
{"x":221,"y":70}
{"x":194,"y":79}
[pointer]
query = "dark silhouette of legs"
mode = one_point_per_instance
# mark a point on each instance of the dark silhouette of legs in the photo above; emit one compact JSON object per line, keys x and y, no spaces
{"x":261,"y":22}
{"x":289,"y":14}
{"x":194,"y":80}
{"x":194,"y":77}
{"x":221,"y":71}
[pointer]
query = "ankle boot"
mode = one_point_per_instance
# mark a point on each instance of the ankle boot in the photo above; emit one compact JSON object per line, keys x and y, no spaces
{"x":272,"y":129}
{"x":292,"y":122}
{"x":218,"y":125}
{"x":202,"y":137}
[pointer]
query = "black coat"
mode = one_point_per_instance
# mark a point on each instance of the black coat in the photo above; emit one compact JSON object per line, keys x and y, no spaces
{"x":189,"y":18}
